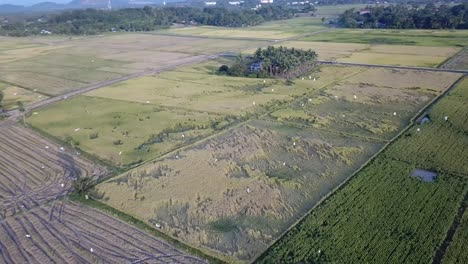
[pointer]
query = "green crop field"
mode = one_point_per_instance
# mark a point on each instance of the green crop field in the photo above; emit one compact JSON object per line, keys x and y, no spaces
{"x":396,"y":218}
{"x":457,"y":253}
{"x":271,"y":30}
{"x":455,"y":38}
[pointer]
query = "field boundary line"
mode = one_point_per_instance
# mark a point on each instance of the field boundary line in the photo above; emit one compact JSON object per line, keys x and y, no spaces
{"x":442,"y":249}
{"x":396,"y":67}
{"x":349,"y":135}
{"x":461,"y":51}
{"x":274,"y":40}
{"x":324,"y":199}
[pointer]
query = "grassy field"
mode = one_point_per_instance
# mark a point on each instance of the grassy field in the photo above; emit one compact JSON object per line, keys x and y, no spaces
{"x":124,"y":132}
{"x":271,"y":30}
{"x":199,"y":88}
{"x":397,"y":218}
{"x":455,"y":38}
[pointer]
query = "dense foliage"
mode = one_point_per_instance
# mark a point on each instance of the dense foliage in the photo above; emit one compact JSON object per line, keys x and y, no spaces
{"x":273,"y":61}
{"x":91,"y":21}
{"x":281,"y":60}
{"x":407,"y":17}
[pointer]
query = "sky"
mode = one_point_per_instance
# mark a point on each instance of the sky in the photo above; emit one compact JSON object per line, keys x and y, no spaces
{"x":31,"y":2}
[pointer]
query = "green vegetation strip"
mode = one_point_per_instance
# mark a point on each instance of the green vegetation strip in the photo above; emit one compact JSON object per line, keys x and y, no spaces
{"x":143,"y":226}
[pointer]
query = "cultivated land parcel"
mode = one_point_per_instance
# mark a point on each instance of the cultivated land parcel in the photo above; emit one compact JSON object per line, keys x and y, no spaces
{"x":229,"y":164}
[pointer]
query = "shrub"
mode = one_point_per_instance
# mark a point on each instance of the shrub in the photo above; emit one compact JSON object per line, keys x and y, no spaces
{"x":93,"y":135}
{"x":118,"y":142}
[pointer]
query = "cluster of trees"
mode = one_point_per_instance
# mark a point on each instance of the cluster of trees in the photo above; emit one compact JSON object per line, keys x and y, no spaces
{"x":281,"y":60}
{"x":273,"y":62}
{"x":92,"y":21}
{"x":408,"y":17}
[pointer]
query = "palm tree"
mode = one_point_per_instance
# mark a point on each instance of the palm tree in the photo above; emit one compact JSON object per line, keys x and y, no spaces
{"x":1,"y":99}
{"x":22,"y":110}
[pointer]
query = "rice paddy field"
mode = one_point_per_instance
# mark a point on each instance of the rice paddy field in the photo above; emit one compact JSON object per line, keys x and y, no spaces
{"x":459,"y":61}
{"x":211,"y":194}
{"x":274,"y":30}
{"x":228,"y":164}
{"x":456,"y":252}
{"x":56,"y":67}
{"x":167,"y":111}
{"x":439,"y":38}
{"x":236,"y":192}
{"x":397,"y":218}
{"x":375,"y":103}
{"x":400,"y":55}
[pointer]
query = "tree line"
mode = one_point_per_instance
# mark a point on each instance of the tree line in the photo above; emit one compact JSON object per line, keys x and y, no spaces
{"x":407,"y":17}
{"x":92,"y":21}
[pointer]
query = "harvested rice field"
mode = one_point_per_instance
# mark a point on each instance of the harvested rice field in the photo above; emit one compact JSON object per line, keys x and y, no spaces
{"x":67,"y":232}
{"x":237,"y":192}
{"x":34,"y":171}
{"x":57,"y":67}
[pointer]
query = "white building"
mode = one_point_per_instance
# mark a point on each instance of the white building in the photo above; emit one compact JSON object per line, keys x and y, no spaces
{"x":266,"y":1}
{"x":210,"y":3}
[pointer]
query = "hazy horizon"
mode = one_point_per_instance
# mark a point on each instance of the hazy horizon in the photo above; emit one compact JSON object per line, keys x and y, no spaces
{"x":31,"y":2}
